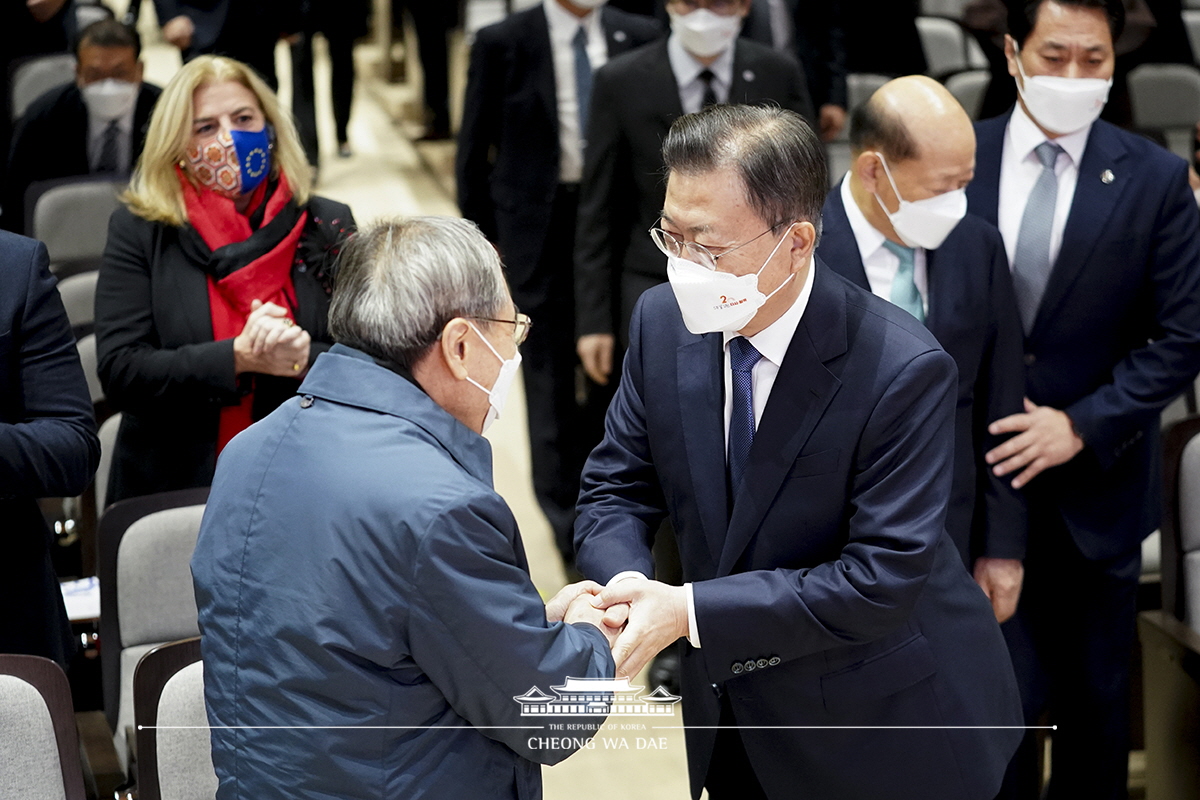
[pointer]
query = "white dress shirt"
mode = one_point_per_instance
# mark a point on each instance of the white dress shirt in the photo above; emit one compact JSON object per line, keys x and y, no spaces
{"x":1019,"y":171}
{"x":96,"y":128}
{"x":687,"y":75}
{"x":772,"y":342}
{"x":563,"y":27}
{"x":880,"y":263}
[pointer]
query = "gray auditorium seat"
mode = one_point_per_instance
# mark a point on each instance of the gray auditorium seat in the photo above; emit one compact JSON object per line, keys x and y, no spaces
{"x":72,"y":220}
{"x":945,"y":46}
{"x":1191,"y":21}
{"x":39,"y":746}
{"x":1166,"y":100}
{"x":969,"y":88}
{"x":944,"y":8}
{"x":78,"y":293}
{"x":38,"y":75}
{"x":108,"y":442}
{"x":87,"y":357}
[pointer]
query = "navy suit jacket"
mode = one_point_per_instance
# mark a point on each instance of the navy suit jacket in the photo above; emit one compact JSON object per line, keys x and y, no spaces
{"x":508,"y":147}
{"x":1117,"y":336}
{"x":974,"y":316}
{"x":830,"y":593}
{"x":48,"y":445}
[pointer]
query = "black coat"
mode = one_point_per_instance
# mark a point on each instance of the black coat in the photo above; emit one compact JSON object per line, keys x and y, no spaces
{"x":48,"y":446}
{"x":508,"y":146}
{"x":820,"y":43}
{"x":51,"y":141}
{"x":158,"y":362}
{"x":634,"y":101}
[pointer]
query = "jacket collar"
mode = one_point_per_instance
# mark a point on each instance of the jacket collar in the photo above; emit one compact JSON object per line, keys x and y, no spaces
{"x":351,"y":377}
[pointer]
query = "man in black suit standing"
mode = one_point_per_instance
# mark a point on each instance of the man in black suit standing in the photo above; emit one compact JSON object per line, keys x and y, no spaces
{"x":239,"y":29}
{"x":635,"y":99}
{"x":48,"y":446}
{"x":897,"y":226}
{"x":94,"y":126}
{"x":520,"y":159}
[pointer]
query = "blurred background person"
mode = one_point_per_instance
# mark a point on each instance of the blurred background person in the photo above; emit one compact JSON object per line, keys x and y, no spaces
{"x":432,"y":20}
{"x":520,"y":160}
{"x":882,"y":37}
{"x":48,"y":446}
{"x":96,"y":125}
{"x":245,"y":30}
{"x":215,"y":283}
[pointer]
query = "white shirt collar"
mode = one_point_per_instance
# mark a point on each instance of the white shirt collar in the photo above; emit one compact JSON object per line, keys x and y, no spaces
{"x":773,"y":341}
{"x":866,"y":235}
{"x":687,"y":69}
{"x":564,"y":24}
{"x":1025,"y":135}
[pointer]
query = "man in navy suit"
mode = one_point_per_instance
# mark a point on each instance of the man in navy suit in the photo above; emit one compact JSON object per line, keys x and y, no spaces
{"x":799,"y":433}
{"x":48,"y":446}
{"x":897,"y":226}
{"x":1104,"y":241}
{"x":520,"y":160}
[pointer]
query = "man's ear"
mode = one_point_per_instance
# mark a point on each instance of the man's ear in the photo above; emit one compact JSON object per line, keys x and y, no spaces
{"x":804,"y":242}
{"x":454,"y":346}
{"x":866,"y":167}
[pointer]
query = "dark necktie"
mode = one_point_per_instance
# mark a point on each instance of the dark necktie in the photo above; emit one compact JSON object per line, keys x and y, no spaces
{"x":108,"y":161}
{"x":1031,"y":257}
{"x":742,"y":358}
{"x":710,"y":95}
{"x":583,"y":78}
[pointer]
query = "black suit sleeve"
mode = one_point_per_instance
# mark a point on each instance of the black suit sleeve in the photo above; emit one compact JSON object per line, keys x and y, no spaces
{"x":51,"y":449}
{"x":480,"y":133}
{"x":137,"y":372}
{"x":603,"y":190}
{"x":821,"y":46}
{"x":999,"y":392}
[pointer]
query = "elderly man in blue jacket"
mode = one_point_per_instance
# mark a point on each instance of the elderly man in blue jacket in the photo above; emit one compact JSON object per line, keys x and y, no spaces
{"x":365,"y":602}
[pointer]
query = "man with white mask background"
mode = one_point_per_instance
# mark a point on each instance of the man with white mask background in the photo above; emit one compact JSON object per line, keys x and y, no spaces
{"x":1104,"y":241}
{"x":95,"y":125}
{"x":897,"y":226}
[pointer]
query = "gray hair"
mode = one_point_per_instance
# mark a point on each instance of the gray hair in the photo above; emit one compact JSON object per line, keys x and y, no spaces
{"x":400,"y":281}
{"x":780,"y":160}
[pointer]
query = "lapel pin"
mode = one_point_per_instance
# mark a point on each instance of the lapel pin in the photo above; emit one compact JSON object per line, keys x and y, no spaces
{"x":748,"y":75}
{"x":619,"y":36}
{"x":1106,"y":176}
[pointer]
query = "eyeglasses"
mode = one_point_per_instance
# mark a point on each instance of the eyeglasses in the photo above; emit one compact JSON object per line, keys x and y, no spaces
{"x":674,"y":247}
{"x":723,"y":7}
{"x":521,"y":326}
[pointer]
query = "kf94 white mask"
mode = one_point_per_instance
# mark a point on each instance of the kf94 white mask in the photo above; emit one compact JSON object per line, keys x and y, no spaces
{"x":1062,"y":105}
{"x":110,"y":98}
{"x":718,"y":302}
{"x":924,"y":223}
{"x":498,"y":394}
{"x":704,"y":33}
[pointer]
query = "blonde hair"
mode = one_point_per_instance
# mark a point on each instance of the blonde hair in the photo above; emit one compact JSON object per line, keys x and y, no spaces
{"x":154,"y":192}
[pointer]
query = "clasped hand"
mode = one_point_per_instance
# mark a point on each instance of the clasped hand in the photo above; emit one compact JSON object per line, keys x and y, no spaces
{"x":639,"y":617}
{"x":270,"y":343}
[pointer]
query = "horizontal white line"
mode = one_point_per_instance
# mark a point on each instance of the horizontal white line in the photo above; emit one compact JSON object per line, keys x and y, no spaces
{"x":858,"y":727}
{"x":337,"y":727}
{"x":653,"y":727}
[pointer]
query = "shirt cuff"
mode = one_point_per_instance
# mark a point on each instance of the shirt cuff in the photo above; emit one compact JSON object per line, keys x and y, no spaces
{"x":629,"y":573}
{"x":693,"y":635}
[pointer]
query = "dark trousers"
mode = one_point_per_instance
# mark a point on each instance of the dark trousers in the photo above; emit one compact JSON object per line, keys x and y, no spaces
{"x":1071,"y":642}
{"x":433,"y":20}
{"x":730,"y":775}
{"x":304,"y":108}
{"x":566,"y":410}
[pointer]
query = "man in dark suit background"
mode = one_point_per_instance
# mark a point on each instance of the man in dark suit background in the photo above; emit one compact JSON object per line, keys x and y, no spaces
{"x":243,"y":29}
{"x":48,"y":446}
{"x":1104,"y":241}
{"x":816,"y":33}
{"x":96,"y":125}
{"x":635,"y":98}
{"x":913,"y":142}
{"x":800,"y":436}
{"x":519,"y":162}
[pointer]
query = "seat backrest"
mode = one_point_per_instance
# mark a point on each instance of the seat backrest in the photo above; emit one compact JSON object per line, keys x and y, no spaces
{"x":78,"y":293}
{"x":108,"y":443}
{"x":174,"y":747}
{"x":860,"y":86}
{"x":1166,"y":98}
{"x":1189,"y":532}
{"x":38,"y":75}
{"x":945,"y":46}
{"x":39,"y":745}
{"x":943,"y":8}
{"x":91,"y":366}
{"x":72,"y":220}
{"x":1191,"y":21}
{"x":969,"y":88}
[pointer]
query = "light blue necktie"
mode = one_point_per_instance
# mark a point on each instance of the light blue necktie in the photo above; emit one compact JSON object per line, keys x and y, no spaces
{"x":742,"y":358}
{"x":1031,"y":259}
{"x":583,"y":78}
{"x":904,"y":285}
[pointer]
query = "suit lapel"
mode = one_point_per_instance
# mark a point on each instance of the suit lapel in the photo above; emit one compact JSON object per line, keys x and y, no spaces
{"x":839,"y":246}
{"x":539,"y":53}
{"x":744,"y":86}
{"x":802,"y":391}
{"x":618,"y":39}
{"x":1091,"y":207}
{"x":984,"y":190}
{"x":701,"y":365}
{"x":661,"y":88}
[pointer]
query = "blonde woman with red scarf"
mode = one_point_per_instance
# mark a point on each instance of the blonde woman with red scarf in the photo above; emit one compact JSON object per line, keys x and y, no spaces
{"x":215,"y":285}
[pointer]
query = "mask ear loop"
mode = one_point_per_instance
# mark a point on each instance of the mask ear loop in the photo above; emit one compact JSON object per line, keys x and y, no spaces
{"x":891,"y":182}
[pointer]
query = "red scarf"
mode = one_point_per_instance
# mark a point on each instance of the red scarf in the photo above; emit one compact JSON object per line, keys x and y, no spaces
{"x":267,"y":278}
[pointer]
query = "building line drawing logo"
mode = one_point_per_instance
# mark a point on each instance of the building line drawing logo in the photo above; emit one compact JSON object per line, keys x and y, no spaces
{"x":586,"y":697}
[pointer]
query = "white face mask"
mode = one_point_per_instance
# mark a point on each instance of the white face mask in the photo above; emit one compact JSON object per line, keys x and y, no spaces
{"x":704,"y":33}
{"x":1061,"y":105}
{"x":110,"y":98}
{"x":498,"y":394}
{"x":588,"y":4}
{"x":712,"y":301}
{"x":924,"y":223}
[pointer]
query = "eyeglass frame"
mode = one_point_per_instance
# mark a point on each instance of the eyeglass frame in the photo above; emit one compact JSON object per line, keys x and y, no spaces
{"x":699,"y":249}
{"x":521,"y":326}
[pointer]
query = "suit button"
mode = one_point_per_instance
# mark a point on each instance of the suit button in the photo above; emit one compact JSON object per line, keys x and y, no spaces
{"x":306,"y":401}
{"x":773,"y":661}
{"x":750,"y":665}
{"x":1030,"y":359}
{"x":716,"y":690}
{"x":737,"y":668}
{"x":763,"y":663}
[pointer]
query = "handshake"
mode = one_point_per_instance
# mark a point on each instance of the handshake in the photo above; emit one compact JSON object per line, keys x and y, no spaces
{"x":638,"y":616}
